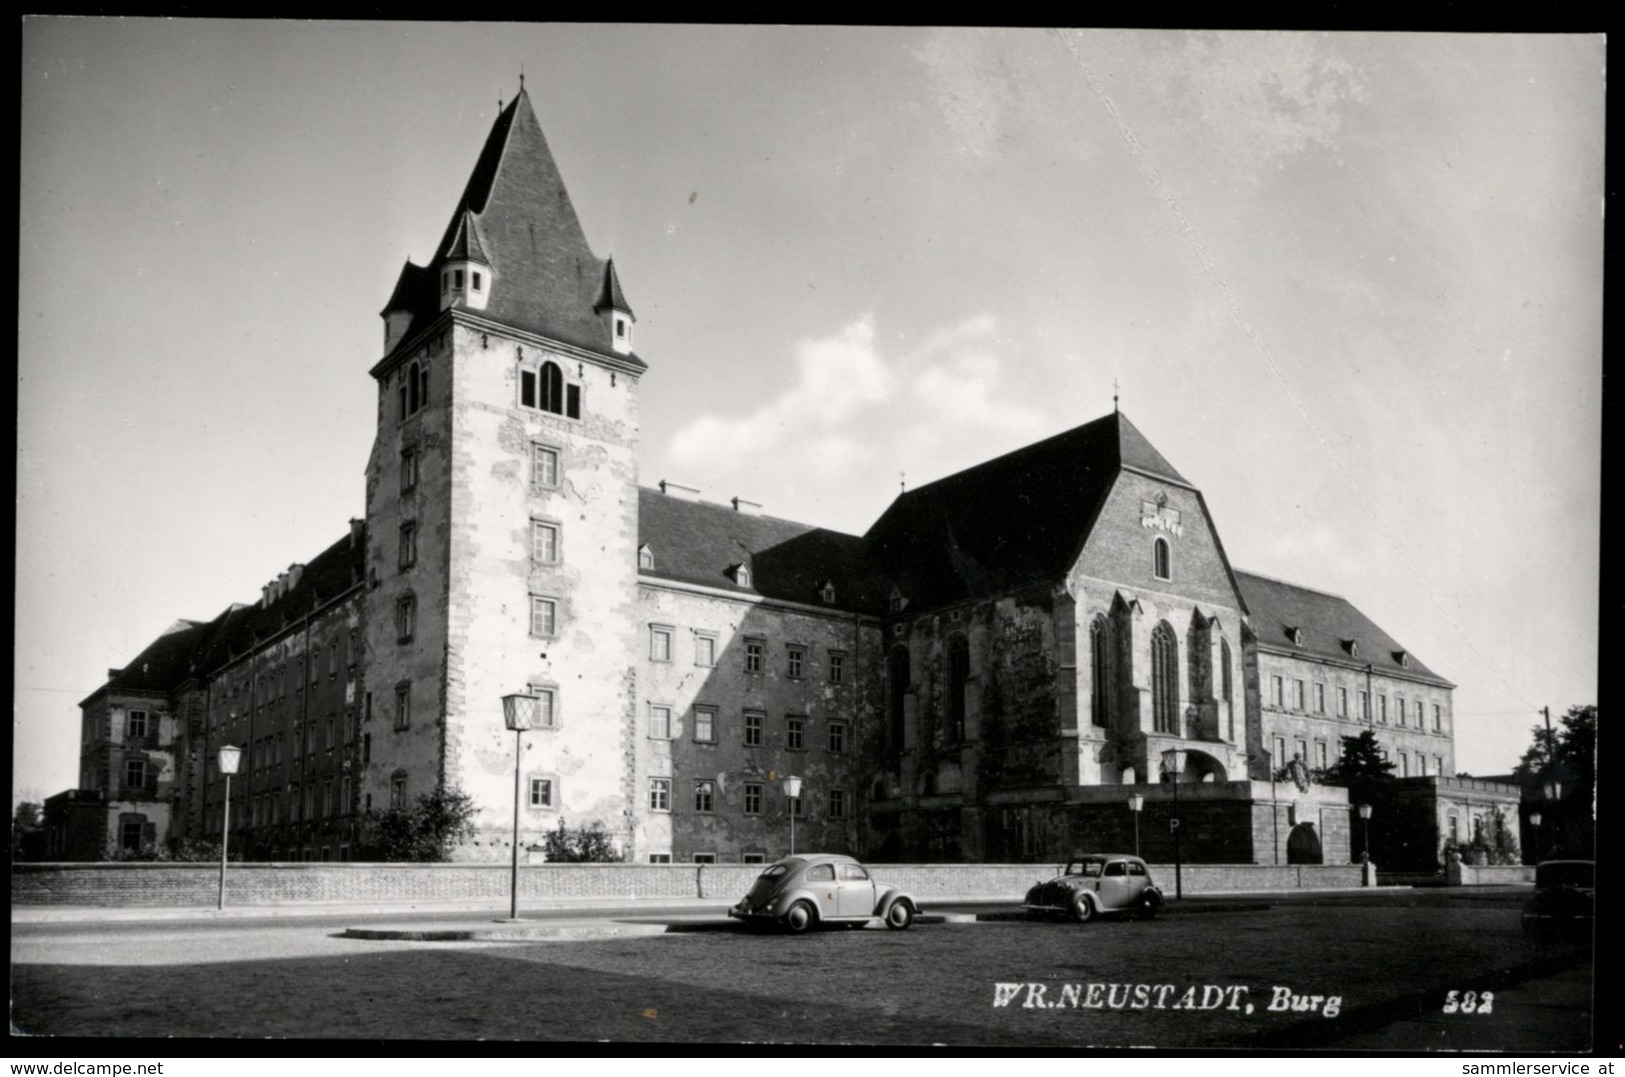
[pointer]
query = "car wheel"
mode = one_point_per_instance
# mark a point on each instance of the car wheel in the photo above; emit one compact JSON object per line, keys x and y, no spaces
{"x":1083,"y":910}
{"x":1148,"y":910}
{"x":899,"y":916}
{"x":800,"y":918}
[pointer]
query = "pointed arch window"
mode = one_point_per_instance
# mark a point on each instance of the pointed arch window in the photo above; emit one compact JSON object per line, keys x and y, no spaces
{"x":1162,"y":559}
{"x":1099,"y":667}
{"x":958,"y":674}
{"x":1164,"y":679}
{"x":414,"y":389}
{"x":1224,"y":678}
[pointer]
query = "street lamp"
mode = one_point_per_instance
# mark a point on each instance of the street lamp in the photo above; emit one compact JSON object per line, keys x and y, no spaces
{"x":1173,"y":764}
{"x":1135,"y":803}
{"x":1554,"y":793}
{"x":792,"y":790}
{"x":1365,"y":823}
{"x":1534,"y":821}
{"x":520,"y":711}
{"x":229,"y":758}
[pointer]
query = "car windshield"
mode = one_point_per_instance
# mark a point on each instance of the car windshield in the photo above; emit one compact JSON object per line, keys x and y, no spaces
{"x":1566,"y":873}
{"x":1090,"y":867}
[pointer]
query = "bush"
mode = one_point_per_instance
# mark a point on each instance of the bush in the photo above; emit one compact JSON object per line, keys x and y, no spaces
{"x":583,"y":844}
{"x":427,"y":832}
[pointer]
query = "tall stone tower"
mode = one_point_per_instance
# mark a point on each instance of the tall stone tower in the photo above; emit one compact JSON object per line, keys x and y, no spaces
{"x":502,"y":498}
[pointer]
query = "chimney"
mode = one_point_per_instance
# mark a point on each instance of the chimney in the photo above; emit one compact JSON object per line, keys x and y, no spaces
{"x":358,"y":531}
{"x":295,"y":571}
{"x":672,"y":489}
{"x":749,"y":508}
{"x":265,"y":597}
{"x":281,"y":584}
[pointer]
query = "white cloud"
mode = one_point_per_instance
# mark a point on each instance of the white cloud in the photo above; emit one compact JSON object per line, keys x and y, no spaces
{"x":828,"y":448}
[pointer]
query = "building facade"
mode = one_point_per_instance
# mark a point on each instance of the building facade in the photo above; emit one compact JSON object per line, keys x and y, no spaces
{"x":988,"y":673}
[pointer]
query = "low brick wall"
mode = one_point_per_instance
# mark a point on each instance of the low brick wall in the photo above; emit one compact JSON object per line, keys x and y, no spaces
{"x":1508,"y":875}
{"x":182,"y":885}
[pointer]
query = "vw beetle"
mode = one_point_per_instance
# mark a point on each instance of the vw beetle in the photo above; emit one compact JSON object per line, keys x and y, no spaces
{"x":1097,"y":883}
{"x":800,"y":892}
{"x":1564,"y":902}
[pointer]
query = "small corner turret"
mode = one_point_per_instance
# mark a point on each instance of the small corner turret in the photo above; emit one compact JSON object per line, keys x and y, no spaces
{"x":615,"y":310}
{"x":465,"y":270}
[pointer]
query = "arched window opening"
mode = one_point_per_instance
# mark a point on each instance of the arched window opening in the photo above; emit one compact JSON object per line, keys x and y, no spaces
{"x":1162,"y":559}
{"x":1224,"y":678}
{"x":958,"y":674}
{"x":552,"y":388}
{"x":414,"y":388}
{"x":1164,"y":679}
{"x":1099,"y":665}
{"x":897,"y":678}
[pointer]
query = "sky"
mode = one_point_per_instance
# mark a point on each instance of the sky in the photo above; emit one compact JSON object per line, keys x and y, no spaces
{"x":1350,"y":285}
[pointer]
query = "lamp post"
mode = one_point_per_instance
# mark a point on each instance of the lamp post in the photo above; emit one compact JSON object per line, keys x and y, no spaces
{"x":229,"y":758}
{"x":1135,"y":803}
{"x":1554,"y":793}
{"x":1365,"y":853}
{"x":792,"y":790}
{"x":1534,"y":821}
{"x":519,"y":713}
{"x":1173,"y":764}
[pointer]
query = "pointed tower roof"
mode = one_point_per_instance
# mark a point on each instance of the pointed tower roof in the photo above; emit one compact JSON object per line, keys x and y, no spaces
{"x":610,"y":296}
{"x":516,"y":216}
{"x":1016,"y":519}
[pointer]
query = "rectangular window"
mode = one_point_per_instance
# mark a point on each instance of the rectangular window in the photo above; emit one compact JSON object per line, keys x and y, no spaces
{"x":1438,"y":718}
{"x":837,"y":804}
{"x":332,"y":733}
{"x":403,"y":706}
{"x":1421,"y":764}
{"x":409,"y":545}
{"x":1438,"y":765}
{"x":572,"y":401}
{"x":327,"y":799}
{"x":1302,"y":747}
{"x":705,"y":792}
{"x":794,"y":731}
{"x":541,"y":792}
{"x":397,"y":793}
{"x":1416,"y":713}
{"x":702,"y":858}
{"x":1297,"y":695}
{"x":1342,"y":702}
{"x":753,"y":798}
{"x":753,"y":730}
{"x":837,"y":667}
{"x":660,"y":794}
{"x":543,"y":616}
{"x":406,"y":616}
{"x":344,"y":796}
{"x":705,"y":725}
{"x":527,"y":388}
{"x":1320,"y":698}
{"x":544,"y":473}
{"x":1280,"y":752}
{"x":1399,"y":710}
{"x":795,"y":660}
{"x":1382,"y":708}
{"x":659,"y":643}
{"x":753,"y":858}
{"x":1365,"y":706}
{"x":409,"y":469}
{"x":705,"y":651}
{"x":1320,"y":754}
{"x":544,"y":544}
{"x":659,"y":858}
{"x":1277,"y":693}
{"x":547,"y":716}
{"x":135,"y":773}
{"x":837,"y":737}
{"x":136,"y":726}
{"x":1404,"y":765}
{"x":659,"y":721}
{"x":753,"y":655}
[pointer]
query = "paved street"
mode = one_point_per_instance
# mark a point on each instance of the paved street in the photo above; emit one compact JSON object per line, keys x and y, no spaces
{"x":1389,"y":959}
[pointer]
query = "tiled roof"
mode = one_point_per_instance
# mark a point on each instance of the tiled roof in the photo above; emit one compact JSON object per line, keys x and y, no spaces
{"x":466,"y":244}
{"x":517,"y":211}
{"x":1016,"y":519}
{"x":197,"y":648}
{"x":698,"y":542}
{"x":1324,"y":623}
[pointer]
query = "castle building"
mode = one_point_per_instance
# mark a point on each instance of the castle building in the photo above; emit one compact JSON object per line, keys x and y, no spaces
{"x":1005,"y":656}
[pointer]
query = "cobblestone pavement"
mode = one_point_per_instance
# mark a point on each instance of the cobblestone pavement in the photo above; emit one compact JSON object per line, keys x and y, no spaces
{"x":1389,"y":965}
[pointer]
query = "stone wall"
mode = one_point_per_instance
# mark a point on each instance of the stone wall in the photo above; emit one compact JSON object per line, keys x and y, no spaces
{"x":172,"y":885}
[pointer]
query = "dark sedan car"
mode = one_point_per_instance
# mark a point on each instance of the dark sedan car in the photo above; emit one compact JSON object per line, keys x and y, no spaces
{"x":801,"y":892}
{"x":1564,"y":901}
{"x":1097,"y":883}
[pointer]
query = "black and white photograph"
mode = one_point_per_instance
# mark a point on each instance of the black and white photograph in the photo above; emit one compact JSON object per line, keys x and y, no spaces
{"x":878,"y":537}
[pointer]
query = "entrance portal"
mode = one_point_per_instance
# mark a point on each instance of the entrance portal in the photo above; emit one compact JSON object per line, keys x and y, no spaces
{"x":1303,"y":845}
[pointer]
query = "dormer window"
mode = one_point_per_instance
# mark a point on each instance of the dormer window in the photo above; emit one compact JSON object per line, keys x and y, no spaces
{"x":1403,"y":658}
{"x":740,"y":574}
{"x":1352,"y":646}
{"x":646,"y":557}
{"x":896,"y":603}
{"x":827,"y":593}
{"x":1296,"y":636}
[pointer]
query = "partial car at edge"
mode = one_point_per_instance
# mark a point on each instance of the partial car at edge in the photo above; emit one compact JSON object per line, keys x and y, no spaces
{"x":801,"y":892}
{"x":1564,"y":901}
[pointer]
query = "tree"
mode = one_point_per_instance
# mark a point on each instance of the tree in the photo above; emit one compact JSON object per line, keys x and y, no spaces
{"x":427,"y":832}
{"x":1567,"y":755}
{"x":27,"y":832}
{"x":582,"y":844}
{"x":1360,"y":767}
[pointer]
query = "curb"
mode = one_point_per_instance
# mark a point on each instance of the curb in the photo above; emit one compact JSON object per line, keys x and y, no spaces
{"x":499,"y":931}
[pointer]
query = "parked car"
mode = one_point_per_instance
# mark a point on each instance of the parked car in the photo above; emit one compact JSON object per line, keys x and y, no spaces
{"x":1564,"y":901}
{"x":801,"y":892}
{"x":1097,"y":883}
